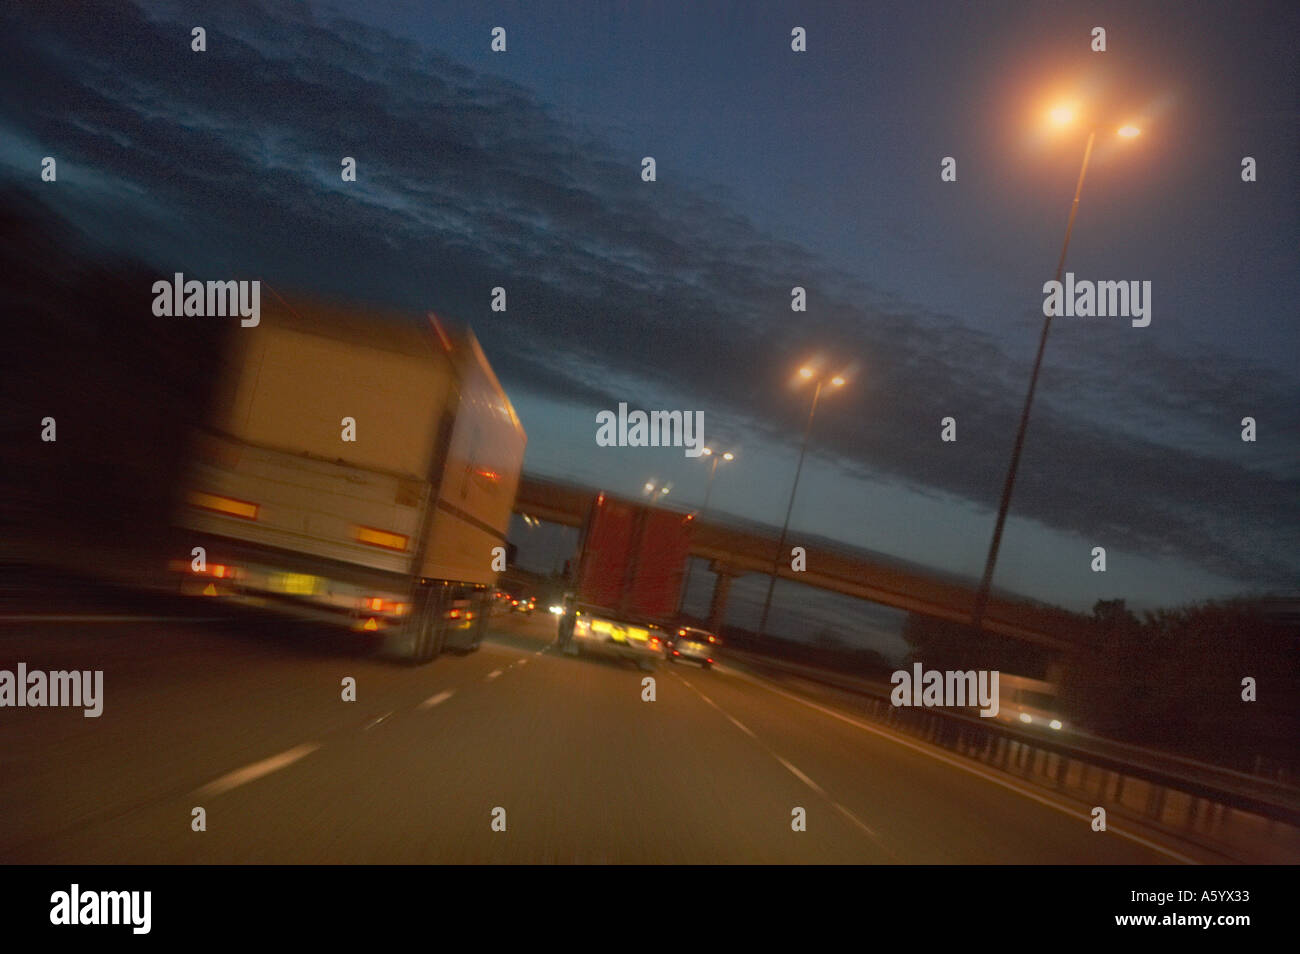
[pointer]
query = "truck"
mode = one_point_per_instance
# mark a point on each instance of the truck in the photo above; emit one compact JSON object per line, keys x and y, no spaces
{"x":628,"y":580}
{"x":357,"y":468}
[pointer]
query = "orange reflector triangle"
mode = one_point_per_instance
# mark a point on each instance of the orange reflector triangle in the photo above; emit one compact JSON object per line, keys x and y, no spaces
{"x":209,"y":590}
{"x":371,"y":624}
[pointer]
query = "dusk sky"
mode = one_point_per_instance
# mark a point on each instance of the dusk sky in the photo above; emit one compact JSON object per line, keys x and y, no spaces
{"x":774,"y":169}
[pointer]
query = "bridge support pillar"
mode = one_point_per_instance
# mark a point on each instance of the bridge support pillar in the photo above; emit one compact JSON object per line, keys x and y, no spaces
{"x":721,"y":589}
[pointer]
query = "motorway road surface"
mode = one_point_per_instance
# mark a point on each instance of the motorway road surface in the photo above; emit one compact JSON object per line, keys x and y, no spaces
{"x":244,"y":718}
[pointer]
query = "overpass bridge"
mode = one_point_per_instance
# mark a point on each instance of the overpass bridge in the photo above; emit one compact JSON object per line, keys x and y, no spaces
{"x":734,"y":551}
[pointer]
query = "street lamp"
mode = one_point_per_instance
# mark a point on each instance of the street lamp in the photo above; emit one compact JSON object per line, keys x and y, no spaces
{"x":807,"y":374}
{"x":1060,"y":115}
{"x":655,"y":492}
{"x":714,"y":460}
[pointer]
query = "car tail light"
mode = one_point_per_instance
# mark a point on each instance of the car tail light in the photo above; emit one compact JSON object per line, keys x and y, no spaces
{"x":676,"y":653}
{"x":681,"y":632}
{"x":710,"y":662}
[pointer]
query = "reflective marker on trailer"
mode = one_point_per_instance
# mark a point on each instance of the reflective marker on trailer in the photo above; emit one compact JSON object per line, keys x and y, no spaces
{"x":382,"y":538}
{"x":218,"y":504}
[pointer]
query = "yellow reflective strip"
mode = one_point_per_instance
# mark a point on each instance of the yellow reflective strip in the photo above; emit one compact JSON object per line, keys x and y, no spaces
{"x":236,"y":508}
{"x":381,"y":538}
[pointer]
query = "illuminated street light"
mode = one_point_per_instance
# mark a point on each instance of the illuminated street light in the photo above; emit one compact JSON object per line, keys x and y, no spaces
{"x":708,"y":491}
{"x":1061,"y":115}
{"x":836,"y":381}
{"x":655,"y":492}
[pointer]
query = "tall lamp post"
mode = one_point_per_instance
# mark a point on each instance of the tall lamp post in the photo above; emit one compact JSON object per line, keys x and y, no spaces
{"x":1060,"y":116}
{"x":807,"y":374}
{"x":714,"y":460}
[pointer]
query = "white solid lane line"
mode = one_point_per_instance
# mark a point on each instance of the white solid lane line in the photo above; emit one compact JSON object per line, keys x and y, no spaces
{"x":250,"y":773}
{"x":493,"y":674}
{"x":436,"y":700}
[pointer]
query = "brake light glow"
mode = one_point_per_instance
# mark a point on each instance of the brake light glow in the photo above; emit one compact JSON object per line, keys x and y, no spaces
{"x":227,"y":505}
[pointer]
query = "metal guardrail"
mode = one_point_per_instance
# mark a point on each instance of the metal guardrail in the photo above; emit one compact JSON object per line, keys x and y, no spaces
{"x":1169,"y":798}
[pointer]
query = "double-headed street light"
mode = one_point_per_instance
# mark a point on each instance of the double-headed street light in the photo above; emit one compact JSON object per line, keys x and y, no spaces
{"x":806,"y":373}
{"x":714,"y":459}
{"x":655,"y":492}
{"x":1061,"y":115}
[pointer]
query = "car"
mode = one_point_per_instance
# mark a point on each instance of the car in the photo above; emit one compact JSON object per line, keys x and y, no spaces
{"x":520,"y":604}
{"x":691,"y":642}
{"x":1029,"y":703}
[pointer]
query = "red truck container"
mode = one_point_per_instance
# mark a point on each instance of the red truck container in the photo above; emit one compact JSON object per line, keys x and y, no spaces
{"x":628,"y":581}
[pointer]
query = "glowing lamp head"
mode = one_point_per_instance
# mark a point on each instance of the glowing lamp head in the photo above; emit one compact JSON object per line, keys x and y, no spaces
{"x":1129,"y":132}
{"x":1061,"y":115}
{"x":728,"y":456}
{"x":805,"y":373}
{"x":837,"y":381}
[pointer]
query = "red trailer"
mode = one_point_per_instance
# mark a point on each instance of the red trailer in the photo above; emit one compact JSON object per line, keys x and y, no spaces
{"x":628,"y":581}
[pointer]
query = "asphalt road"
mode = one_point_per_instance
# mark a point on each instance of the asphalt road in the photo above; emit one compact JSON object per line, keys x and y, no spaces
{"x":244,"y":718}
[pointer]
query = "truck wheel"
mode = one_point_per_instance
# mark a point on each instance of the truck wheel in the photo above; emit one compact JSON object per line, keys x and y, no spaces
{"x":420,"y":653}
{"x":429,"y":636}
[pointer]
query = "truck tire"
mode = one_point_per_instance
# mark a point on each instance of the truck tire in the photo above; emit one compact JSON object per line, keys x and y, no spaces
{"x":430,"y":636}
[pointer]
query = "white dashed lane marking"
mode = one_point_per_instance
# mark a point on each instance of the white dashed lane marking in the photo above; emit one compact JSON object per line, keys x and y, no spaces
{"x":251,"y":773}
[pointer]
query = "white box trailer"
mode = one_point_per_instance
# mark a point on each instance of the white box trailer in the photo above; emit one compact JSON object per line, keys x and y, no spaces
{"x":360,"y":467}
